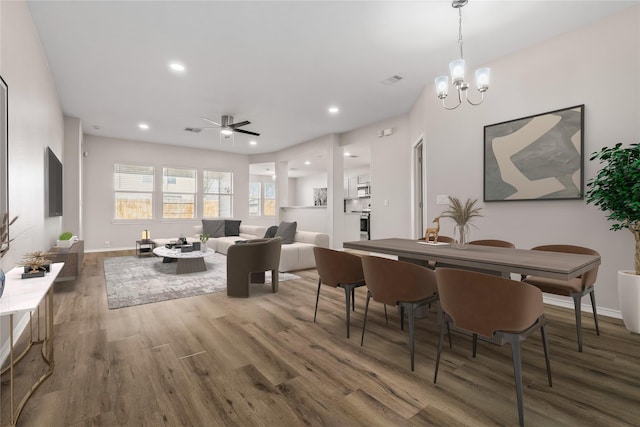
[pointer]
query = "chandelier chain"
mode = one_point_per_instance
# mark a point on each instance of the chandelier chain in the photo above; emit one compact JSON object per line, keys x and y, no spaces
{"x":460,"y":31}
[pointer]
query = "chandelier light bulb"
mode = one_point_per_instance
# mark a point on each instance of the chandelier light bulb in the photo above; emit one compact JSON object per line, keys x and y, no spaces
{"x":482,"y":78}
{"x":442,"y":86}
{"x":457,"y":71}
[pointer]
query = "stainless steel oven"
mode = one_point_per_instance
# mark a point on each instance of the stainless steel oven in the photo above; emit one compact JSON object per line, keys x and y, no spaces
{"x":365,"y":224}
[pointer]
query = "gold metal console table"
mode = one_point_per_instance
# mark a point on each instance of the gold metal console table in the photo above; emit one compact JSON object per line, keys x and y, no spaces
{"x":23,"y":296}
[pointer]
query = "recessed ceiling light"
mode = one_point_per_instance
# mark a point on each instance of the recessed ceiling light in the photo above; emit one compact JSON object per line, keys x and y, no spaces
{"x":347,"y":154}
{"x":143,"y":126}
{"x":175,"y":66}
{"x":307,"y":163}
{"x":334,"y":110}
{"x":252,"y":142}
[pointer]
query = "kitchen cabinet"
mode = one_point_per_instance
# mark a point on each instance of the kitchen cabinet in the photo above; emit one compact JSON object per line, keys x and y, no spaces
{"x":351,"y":187}
{"x":364,"y":179}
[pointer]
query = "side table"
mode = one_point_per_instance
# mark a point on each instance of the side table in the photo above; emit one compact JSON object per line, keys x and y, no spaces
{"x":144,"y":248}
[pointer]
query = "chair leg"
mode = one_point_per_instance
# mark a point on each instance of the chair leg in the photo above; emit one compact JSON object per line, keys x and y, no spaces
{"x":353,"y":298}
{"x":366,"y":310}
{"x":317,"y":298}
{"x":517,"y":372}
{"x":546,"y":353}
{"x":347,"y":295}
{"x":402,"y":318}
{"x":435,"y":374}
{"x":576,"y":302}
{"x":411,"y":331}
{"x":386,"y":318}
{"x":592,"y":294}
{"x":449,"y":331}
{"x":475,"y":344}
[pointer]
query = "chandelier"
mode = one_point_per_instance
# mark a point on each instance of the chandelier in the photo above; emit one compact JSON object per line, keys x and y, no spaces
{"x":456,"y":68}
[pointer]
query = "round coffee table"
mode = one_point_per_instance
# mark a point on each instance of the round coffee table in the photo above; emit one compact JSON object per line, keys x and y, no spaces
{"x":187,"y":262}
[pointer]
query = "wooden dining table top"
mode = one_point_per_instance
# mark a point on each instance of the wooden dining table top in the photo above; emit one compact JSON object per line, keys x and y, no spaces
{"x":503,"y":261}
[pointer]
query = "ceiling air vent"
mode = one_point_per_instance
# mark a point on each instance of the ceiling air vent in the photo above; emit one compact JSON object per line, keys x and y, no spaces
{"x":193,"y":130}
{"x":392,"y":80}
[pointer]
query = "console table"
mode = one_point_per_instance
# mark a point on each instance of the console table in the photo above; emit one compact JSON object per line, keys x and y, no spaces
{"x":25,"y":296}
{"x":71,"y":257}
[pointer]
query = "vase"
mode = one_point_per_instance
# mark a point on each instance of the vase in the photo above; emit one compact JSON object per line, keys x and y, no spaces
{"x":461,"y":234}
{"x":2,"y":280}
{"x":629,"y":299}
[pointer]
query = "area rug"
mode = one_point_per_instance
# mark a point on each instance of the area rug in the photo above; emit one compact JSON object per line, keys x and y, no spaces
{"x":133,"y":281}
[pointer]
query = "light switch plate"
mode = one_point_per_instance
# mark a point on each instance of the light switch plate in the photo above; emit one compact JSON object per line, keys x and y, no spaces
{"x":442,"y":199}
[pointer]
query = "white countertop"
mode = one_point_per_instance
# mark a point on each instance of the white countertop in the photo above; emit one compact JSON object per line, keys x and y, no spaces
{"x":26,"y":294}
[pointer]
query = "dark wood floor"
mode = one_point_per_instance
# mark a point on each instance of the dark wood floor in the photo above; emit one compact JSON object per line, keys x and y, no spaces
{"x":215,"y":361}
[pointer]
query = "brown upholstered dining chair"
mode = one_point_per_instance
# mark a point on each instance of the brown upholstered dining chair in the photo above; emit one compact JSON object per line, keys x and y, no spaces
{"x":493,"y":307}
{"x":443,"y":239}
{"x":339,"y":269}
{"x":575,"y":288}
{"x":249,"y":260}
{"x":493,"y":242}
{"x":392,"y":282}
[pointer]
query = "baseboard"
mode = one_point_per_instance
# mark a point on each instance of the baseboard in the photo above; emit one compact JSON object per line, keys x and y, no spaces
{"x":5,"y":350}
{"x":568,"y":303}
{"x":110,"y":249}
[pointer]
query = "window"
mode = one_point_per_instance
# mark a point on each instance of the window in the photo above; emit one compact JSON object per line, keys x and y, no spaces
{"x":133,"y":185}
{"x":217,"y":189}
{"x":178,"y":193}
{"x":262,"y":198}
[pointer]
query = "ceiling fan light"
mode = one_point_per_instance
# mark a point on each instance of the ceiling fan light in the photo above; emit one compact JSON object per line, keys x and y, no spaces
{"x":226,"y":132}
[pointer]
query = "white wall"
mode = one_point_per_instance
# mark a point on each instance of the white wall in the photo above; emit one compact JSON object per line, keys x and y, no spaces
{"x":598,"y":66}
{"x":304,"y":188}
{"x":35,"y":122}
{"x":72,"y":203}
{"x":102,"y":153}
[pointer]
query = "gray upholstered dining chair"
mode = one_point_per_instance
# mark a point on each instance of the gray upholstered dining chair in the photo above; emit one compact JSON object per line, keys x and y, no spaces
{"x":392,"y":282}
{"x":575,"y":288}
{"x":249,"y":260}
{"x":493,"y":307}
{"x":339,"y":269}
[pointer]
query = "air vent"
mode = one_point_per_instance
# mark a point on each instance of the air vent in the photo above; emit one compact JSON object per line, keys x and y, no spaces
{"x":193,"y":130}
{"x":392,"y":80}
{"x":353,"y":156}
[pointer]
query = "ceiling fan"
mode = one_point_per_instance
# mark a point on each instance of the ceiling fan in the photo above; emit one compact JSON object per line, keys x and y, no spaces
{"x":227,"y":127}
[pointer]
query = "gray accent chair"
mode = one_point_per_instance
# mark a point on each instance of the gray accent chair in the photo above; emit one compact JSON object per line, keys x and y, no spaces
{"x":247,"y":262}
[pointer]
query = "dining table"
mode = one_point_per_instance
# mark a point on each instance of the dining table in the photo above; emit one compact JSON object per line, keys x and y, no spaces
{"x":487,"y":259}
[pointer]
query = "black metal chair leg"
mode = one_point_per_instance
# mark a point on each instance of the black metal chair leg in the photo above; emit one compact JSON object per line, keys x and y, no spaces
{"x":449,"y":331}
{"x":475,"y":344}
{"x":546,"y":353}
{"x":592,"y":294}
{"x":386,"y":318}
{"x":435,"y":374}
{"x":517,"y":372}
{"x":402,"y":318}
{"x":317,"y":298}
{"x":353,"y":298}
{"x":366,"y":310}
{"x":576,"y":303}
{"x":411,"y":331}
{"x":347,"y":295}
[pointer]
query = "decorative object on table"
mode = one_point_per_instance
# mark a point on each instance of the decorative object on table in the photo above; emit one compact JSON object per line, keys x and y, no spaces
{"x":204,"y":238}
{"x":433,"y":231}
{"x":461,"y":214}
{"x":615,"y":190}
{"x":186,"y":248}
{"x":535,"y":158}
{"x":196,"y":246}
{"x":456,"y":68}
{"x":146,"y":235}
{"x":35,"y":264}
{"x":66,"y":240}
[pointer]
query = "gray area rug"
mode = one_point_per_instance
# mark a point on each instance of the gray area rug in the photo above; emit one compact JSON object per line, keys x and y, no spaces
{"x":133,"y":281}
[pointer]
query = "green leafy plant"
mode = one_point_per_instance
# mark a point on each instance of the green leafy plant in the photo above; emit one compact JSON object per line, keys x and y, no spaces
{"x":67,"y":235}
{"x":616,"y":189}
{"x":204,"y":238}
{"x":4,"y":233}
{"x":461,"y":213}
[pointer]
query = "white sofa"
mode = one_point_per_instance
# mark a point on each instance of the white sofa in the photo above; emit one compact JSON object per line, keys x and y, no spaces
{"x":294,"y":256}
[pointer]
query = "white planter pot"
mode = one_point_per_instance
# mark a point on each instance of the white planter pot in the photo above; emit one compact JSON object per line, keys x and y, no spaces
{"x":64,"y":243}
{"x":629,"y":298}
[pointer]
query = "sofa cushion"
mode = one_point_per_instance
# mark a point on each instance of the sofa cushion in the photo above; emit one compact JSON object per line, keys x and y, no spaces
{"x":231,"y":227}
{"x":287,"y":232}
{"x":271,"y":232}
{"x":213,"y":227}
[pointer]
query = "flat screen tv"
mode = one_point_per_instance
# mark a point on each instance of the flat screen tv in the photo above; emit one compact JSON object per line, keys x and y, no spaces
{"x":53,"y":184}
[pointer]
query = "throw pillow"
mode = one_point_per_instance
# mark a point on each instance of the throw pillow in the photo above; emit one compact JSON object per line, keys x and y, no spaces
{"x":271,"y":232}
{"x":231,"y":227}
{"x":287,"y":231}
{"x":213,"y":227}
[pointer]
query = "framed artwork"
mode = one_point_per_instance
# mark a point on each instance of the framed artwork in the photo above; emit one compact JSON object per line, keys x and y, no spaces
{"x":320,"y":196}
{"x":538,"y":157}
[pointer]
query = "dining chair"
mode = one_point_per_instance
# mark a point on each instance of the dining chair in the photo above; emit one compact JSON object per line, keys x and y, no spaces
{"x":494,"y":307}
{"x":406,"y":285}
{"x":493,"y":242}
{"x":339,"y":269}
{"x":575,"y":288}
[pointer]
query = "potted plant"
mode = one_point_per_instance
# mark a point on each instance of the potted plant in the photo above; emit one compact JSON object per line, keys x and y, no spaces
{"x":64,"y":241}
{"x":462,"y":214}
{"x":616,"y":190}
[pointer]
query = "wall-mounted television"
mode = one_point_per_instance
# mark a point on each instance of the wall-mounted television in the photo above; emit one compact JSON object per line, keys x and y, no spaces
{"x":53,"y":185}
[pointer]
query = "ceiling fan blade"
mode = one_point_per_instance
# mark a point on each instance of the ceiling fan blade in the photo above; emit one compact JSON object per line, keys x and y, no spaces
{"x":246,"y":131}
{"x":240,"y":124}
{"x":210,"y":121}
